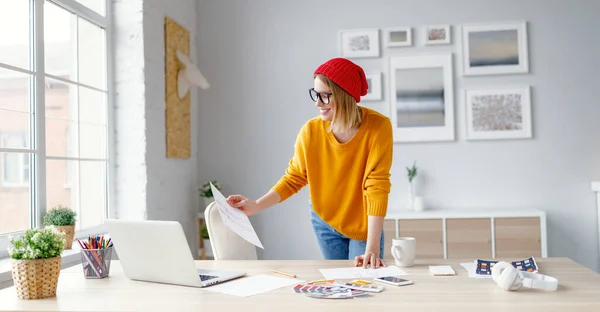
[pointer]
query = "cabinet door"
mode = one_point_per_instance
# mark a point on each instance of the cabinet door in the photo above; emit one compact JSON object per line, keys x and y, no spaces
{"x":389,"y":232}
{"x":517,"y":237}
{"x":469,"y":238}
{"x":429,"y":236}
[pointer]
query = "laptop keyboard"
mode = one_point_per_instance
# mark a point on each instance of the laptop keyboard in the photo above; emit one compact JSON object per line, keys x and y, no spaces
{"x":206,"y":277}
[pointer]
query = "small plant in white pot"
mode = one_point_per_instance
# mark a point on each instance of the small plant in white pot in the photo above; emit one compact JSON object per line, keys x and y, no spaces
{"x":206,"y":192}
{"x":36,"y":262}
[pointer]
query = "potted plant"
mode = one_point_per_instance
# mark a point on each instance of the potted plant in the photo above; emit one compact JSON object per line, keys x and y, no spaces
{"x":206,"y":192}
{"x":412,"y":174}
{"x":36,"y":262}
{"x":63,"y":219}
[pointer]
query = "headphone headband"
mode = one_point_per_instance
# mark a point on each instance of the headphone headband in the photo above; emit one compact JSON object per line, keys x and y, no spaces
{"x":539,"y":281}
{"x":509,"y":278}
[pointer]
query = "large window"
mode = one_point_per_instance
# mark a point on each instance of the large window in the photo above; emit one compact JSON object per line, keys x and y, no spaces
{"x":54,"y":113}
{"x":15,"y":167}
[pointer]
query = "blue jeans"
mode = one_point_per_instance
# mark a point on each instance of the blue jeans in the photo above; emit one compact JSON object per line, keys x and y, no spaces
{"x":334,"y":245}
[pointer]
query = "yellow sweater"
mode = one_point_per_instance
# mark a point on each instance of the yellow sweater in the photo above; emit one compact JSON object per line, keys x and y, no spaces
{"x":348,"y":181}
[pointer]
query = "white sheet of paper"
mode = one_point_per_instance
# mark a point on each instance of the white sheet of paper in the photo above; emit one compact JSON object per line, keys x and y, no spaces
{"x":253,"y":285}
{"x":471,"y":267}
{"x":235,"y":219}
{"x":358,"y":272}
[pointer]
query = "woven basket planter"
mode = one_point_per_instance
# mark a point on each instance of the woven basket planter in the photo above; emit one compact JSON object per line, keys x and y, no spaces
{"x":69,"y":231}
{"x":36,"y":279}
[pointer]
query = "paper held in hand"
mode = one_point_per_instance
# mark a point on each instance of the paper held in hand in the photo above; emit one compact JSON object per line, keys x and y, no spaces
{"x":235,"y":219}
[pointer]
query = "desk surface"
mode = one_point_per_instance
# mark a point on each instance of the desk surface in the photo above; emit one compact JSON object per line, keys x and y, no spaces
{"x":579,"y":289}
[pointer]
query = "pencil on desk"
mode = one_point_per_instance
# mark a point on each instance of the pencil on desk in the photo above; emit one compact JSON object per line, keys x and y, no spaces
{"x":283,"y":273}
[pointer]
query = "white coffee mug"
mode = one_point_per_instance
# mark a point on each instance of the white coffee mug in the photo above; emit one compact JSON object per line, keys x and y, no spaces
{"x":404,"y":250}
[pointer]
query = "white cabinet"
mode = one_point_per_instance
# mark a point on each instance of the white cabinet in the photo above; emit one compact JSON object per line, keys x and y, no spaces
{"x":470,"y":234}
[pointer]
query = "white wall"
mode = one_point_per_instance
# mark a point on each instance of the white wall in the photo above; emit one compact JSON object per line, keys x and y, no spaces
{"x":129,"y":97}
{"x":148,"y":184}
{"x":172,"y":183}
{"x":259,"y":57}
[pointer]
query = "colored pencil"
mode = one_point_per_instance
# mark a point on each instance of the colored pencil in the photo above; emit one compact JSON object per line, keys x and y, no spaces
{"x":283,"y":273}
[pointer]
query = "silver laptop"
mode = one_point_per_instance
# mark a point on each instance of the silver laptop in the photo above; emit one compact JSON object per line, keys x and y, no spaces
{"x":157,"y":251}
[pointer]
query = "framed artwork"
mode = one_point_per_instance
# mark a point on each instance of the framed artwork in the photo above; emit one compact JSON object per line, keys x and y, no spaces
{"x":497,"y":48}
{"x":374,"y":91}
{"x":359,"y":43}
{"x":422,"y":98}
{"x":437,"y":34}
{"x":498,"y":113}
{"x":398,"y":37}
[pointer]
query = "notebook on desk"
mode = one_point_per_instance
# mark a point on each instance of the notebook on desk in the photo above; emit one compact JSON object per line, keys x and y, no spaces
{"x":157,"y":251}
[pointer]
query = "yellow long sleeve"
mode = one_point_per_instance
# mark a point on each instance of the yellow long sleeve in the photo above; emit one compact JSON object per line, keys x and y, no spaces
{"x":348,"y":181}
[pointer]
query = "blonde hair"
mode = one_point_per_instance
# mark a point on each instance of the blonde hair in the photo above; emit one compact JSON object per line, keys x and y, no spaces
{"x":347,"y":114}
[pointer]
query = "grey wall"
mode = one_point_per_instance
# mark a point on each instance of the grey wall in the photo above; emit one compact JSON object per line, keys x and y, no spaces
{"x":259,"y":57}
{"x":149,"y":185}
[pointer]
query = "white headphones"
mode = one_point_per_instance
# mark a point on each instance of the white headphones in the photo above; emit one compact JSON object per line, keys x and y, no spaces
{"x":509,"y":278}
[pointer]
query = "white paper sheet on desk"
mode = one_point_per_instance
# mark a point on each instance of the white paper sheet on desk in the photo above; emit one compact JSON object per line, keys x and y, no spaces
{"x":253,"y":285}
{"x":471,"y":267}
{"x":235,"y":219}
{"x":358,"y":272}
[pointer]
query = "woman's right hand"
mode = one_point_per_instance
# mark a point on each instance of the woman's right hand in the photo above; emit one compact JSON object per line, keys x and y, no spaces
{"x":249,"y":207}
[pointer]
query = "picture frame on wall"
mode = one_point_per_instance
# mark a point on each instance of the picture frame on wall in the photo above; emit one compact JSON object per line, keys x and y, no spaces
{"x":437,"y":34}
{"x":422,"y":98}
{"x":374,"y":91}
{"x":495,"y":48}
{"x":496,"y":113}
{"x":358,"y":43}
{"x":398,"y":37}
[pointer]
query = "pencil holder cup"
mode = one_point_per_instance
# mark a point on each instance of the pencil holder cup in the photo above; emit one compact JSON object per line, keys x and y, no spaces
{"x":96,"y":262}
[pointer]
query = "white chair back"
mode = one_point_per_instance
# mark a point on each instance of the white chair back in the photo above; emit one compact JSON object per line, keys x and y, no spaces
{"x":226,"y":244}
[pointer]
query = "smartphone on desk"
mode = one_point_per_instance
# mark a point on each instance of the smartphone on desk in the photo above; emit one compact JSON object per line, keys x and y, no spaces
{"x":393,"y":280}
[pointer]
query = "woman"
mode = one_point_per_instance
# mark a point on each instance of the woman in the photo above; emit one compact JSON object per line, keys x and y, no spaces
{"x":345,"y":155}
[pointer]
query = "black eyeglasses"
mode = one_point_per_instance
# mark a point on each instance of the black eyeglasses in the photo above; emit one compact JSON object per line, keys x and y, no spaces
{"x":323,"y":96}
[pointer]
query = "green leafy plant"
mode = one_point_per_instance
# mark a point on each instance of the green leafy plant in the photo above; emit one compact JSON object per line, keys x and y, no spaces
{"x":206,"y":191}
{"x":204,"y":232}
{"x":38,"y":244}
{"x":412,"y":172}
{"x":60,"y":216}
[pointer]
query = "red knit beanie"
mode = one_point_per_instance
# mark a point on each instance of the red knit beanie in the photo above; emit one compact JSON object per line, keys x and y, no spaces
{"x":347,"y":75}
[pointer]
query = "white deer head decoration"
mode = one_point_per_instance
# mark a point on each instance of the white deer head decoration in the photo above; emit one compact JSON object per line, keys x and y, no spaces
{"x":189,"y":75}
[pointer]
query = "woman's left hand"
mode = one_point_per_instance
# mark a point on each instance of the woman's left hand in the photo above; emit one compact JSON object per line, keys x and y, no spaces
{"x":369,"y":258}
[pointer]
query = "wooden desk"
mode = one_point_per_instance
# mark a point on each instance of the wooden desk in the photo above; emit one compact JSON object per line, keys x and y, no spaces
{"x":579,"y":290}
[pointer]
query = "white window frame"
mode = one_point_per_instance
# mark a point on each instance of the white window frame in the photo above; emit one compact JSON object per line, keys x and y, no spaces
{"x":37,"y":165}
